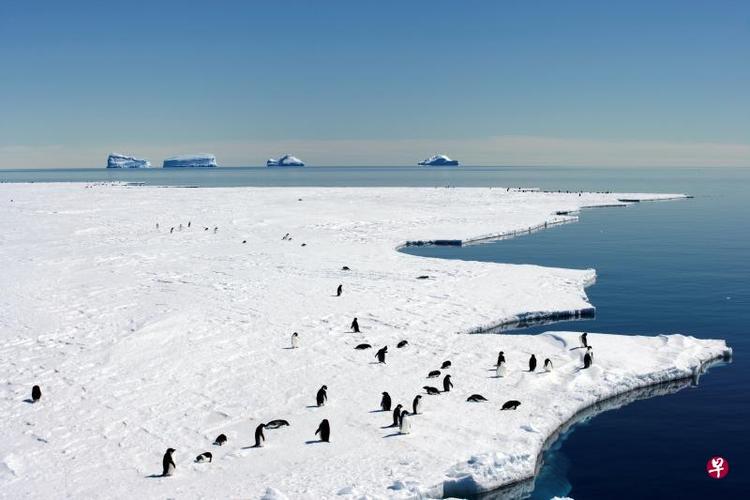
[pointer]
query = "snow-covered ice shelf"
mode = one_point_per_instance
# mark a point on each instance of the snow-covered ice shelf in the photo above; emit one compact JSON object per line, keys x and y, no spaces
{"x":146,"y":338}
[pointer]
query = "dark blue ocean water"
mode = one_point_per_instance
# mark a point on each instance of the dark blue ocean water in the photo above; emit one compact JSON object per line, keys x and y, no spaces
{"x":662,"y":268}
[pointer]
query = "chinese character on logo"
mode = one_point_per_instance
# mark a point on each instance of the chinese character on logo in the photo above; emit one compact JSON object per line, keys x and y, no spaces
{"x":717,"y":468}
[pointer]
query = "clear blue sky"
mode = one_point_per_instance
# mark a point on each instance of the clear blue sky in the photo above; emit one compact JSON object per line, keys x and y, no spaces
{"x":78,"y":79}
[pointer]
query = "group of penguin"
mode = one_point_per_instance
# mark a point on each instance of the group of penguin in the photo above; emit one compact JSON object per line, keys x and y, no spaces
{"x":189,"y":224}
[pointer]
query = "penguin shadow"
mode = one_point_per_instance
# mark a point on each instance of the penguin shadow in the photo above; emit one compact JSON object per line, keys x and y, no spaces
{"x":289,"y":348}
{"x":393,"y":434}
{"x":376,"y":363}
{"x":377,"y":411}
{"x":314,"y":441}
{"x":389,"y":426}
{"x":252,"y":447}
{"x":29,"y":400}
{"x":312,"y":406}
{"x":155,"y":476}
{"x":574,"y":348}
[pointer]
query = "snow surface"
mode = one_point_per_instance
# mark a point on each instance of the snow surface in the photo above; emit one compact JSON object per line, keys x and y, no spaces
{"x":115,"y":160}
{"x":438,"y":160}
{"x":199,"y":160}
{"x":142,"y":339}
{"x":285,"y":161}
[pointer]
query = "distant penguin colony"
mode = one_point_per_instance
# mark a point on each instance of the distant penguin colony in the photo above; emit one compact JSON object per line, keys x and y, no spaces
{"x":220,"y":440}
{"x":324,"y":430}
{"x":401,"y":344}
{"x":355,"y":326}
{"x":322,"y":395}
{"x":36,"y":393}
{"x":511,"y":405}
{"x":532,"y":363}
{"x":259,"y":436}
{"x":204,"y":457}
{"x":167,"y":463}
{"x":381,"y":354}
{"x":417,"y":404}
{"x":548,"y":364}
{"x":295,"y":340}
{"x":447,"y":384}
{"x":385,"y":402}
{"x":476,"y":398}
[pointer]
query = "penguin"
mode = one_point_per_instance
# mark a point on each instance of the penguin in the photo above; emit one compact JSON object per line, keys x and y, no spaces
{"x":220,"y":440}
{"x":361,"y":347}
{"x":589,"y":350}
{"x":285,"y":237}
{"x":586,"y":360}
{"x":385,"y":402}
{"x":532,"y":363}
{"x":36,"y":393}
{"x":511,"y":405}
{"x":355,"y":326}
{"x":204,"y":457}
{"x":500,"y":358}
{"x":405,"y":424}
{"x":171,"y":230}
{"x":432,"y":391}
{"x":324,"y":429}
{"x":584,"y":339}
{"x":501,"y":370}
{"x":446,"y":364}
{"x":397,"y":415}
{"x":180,"y":228}
{"x":381,"y":354}
{"x":275,"y":424}
{"x":423,"y":277}
{"x":215,"y":229}
{"x":244,"y":241}
{"x":167,"y":463}
{"x":433,"y":374}
{"x":205,"y":229}
{"x":339,"y":290}
{"x":447,"y":384}
{"x":476,"y":398}
{"x":345,"y":268}
{"x":322,"y":395}
{"x":259,"y":436}
{"x":295,"y":340}
{"x":548,"y":364}
{"x":416,"y":404}
{"x":303,"y":245}
{"x":401,"y":344}
{"x":189,"y":223}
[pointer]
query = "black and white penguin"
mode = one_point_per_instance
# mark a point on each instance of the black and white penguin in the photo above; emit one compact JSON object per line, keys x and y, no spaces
{"x":548,"y":364}
{"x":171,"y":230}
{"x":532,"y":363}
{"x":416,"y":405}
{"x":447,"y":384}
{"x":167,"y":463}
{"x":432,"y":391}
{"x":216,"y":228}
{"x":385,"y":402}
{"x":590,"y":350}
{"x":355,"y":326}
{"x":587,"y":360}
{"x":345,"y":268}
{"x":584,"y":339}
{"x":404,"y":426}
{"x":500,"y":358}
{"x":220,"y":440}
{"x":339,"y":290}
{"x":324,"y":429}
{"x":285,"y":237}
{"x":401,"y":344}
{"x":397,"y":415}
{"x":259,"y":436}
{"x":501,"y":369}
{"x":361,"y":347}
{"x":381,"y":354}
{"x":476,"y":398}
{"x":275,"y":424}
{"x":433,"y":374}
{"x":445,"y":365}
{"x":205,"y":457}
{"x":322,"y":395}
{"x":295,"y":340}
{"x":189,"y":223}
{"x":36,"y":393}
{"x":511,"y":405}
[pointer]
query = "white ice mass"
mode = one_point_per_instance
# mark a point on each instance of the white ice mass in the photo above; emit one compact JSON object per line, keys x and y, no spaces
{"x":285,"y":161}
{"x":143,"y":339}
{"x":438,"y":160}
{"x":115,"y":160}
{"x":199,"y":160}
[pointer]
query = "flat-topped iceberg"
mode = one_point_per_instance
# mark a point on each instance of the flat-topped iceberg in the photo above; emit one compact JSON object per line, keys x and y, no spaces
{"x":183,"y":161}
{"x":115,"y":160}
{"x":285,"y":161}
{"x":439,"y":160}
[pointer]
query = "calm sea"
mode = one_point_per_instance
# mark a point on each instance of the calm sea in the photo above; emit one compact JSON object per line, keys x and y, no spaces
{"x":662,"y":268}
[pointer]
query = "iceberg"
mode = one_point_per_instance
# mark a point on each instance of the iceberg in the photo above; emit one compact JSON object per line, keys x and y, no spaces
{"x":190,"y":161}
{"x":115,"y":160}
{"x":438,"y":160}
{"x":285,"y":161}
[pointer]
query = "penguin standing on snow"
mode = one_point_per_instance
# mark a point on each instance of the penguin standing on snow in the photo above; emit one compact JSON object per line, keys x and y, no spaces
{"x":397,"y":416}
{"x":220,"y":440}
{"x":381,"y":354}
{"x":324,"y":429}
{"x":590,"y":350}
{"x":385,"y":403}
{"x":168,"y":466}
{"x":205,"y":457}
{"x":548,"y":364}
{"x":259,"y":436}
{"x":500,"y":358}
{"x":587,"y":360}
{"x":355,"y":326}
{"x":295,"y":340}
{"x":501,"y":369}
{"x":532,"y":363}
{"x":447,"y":384}
{"x":36,"y":393}
{"x":339,"y":290}
{"x":322,"y":395}
{"x":405,"y":425}
{"x":417,"y":404}
{"x":584,"y":339}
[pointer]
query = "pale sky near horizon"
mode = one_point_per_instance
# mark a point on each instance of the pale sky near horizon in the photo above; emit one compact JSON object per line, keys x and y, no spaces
{"x":635,"y":83}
